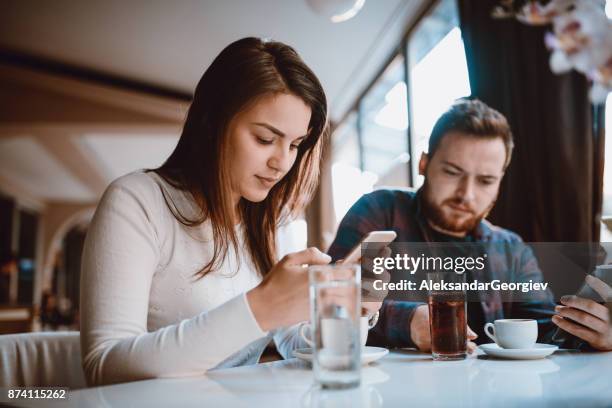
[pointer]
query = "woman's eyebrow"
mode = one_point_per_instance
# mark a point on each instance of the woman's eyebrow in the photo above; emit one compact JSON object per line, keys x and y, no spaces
{"x":275,"y":130}
{"x":270,"y":128}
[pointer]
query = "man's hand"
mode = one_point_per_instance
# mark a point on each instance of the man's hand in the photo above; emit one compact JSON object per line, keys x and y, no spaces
{"x":594,"y":318}
{"x":419,"y":328}
{"x":421,"y":336}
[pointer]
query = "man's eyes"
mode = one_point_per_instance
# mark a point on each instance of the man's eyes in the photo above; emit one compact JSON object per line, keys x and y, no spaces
{"x":486,"y":182}
{"x":483,"y":181}
{"x":451,"y":172}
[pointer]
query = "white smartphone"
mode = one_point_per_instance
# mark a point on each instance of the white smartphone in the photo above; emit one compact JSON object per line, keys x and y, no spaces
{"x":384,"y":237}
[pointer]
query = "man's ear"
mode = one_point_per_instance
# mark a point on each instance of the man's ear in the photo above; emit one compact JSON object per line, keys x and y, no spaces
{"x":423,"y":163}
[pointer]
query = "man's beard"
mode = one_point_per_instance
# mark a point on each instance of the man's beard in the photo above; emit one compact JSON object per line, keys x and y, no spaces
{"x":436,"y":216}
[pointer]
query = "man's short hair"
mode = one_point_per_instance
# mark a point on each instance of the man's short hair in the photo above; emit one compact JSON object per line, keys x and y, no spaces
{"x":473,"y":118}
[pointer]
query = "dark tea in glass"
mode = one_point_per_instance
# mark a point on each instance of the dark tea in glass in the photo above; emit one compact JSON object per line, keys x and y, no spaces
{"x":447,"y":319}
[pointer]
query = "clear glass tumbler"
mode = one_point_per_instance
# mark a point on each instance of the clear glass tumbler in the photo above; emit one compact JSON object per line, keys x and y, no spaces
{"x":335,"y":312}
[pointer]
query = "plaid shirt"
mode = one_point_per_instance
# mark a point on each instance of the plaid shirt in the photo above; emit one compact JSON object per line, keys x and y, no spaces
{"x":399,"y":210}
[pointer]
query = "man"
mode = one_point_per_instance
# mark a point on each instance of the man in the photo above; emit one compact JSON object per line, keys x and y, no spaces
{"x":470,"y":148}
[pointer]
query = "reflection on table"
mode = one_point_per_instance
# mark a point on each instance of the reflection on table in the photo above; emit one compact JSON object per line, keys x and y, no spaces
{"x":404,"y":377}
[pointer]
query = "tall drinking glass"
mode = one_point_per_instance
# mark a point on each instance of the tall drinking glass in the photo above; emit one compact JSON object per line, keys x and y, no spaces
{"x":447,"y":316}
{"x":335,"y":312}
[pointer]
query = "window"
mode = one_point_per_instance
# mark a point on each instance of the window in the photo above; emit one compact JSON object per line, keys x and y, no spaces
{"x":349,"y":182}
{"x":384,"y":124}
{"x":438,"y":74}
{"x":606,"y":211}
{"x":28,"y":229}
{"x":371,"y":147}
{"x":7,"y":217}
{"x":18,"y":238}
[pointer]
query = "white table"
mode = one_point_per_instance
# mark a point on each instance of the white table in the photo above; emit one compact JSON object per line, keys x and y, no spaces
{"x":402,"y":378}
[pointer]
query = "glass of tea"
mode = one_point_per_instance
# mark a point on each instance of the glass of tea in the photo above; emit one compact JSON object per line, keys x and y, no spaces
{"x":447,"y":316}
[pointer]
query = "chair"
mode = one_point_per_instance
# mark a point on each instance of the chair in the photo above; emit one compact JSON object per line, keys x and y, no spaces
{"x":42,"y":359}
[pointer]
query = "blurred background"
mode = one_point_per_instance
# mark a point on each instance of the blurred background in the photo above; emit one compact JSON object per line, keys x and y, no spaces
{"x":93,"y":90}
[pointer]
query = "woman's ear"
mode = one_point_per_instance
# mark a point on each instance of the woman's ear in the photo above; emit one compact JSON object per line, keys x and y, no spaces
{"x":423,"y":163}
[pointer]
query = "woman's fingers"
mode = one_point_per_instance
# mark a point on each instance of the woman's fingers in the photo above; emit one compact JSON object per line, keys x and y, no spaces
{"x":385,"y":252}
{"x":369,"y":292}
{"x":309,"y":256}
{"x":370,"y":307}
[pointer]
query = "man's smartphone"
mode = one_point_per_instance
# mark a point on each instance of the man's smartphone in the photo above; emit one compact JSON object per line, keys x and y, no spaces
{"x":603,"y":272}
{"x":383,"y":237}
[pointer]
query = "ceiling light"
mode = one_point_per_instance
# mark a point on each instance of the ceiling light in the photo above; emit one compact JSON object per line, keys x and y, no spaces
{"x":336,"y":11}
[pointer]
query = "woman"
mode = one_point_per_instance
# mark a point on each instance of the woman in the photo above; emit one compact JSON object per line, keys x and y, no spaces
{"x":179,"y":265}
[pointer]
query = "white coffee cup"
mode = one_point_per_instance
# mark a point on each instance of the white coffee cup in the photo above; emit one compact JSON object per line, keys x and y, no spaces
{"x":513,"y":333}
{"x":334,"y":332}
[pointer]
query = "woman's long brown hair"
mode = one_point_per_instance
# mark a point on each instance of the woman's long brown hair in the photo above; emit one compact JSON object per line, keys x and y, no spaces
{"x":244,"y":71}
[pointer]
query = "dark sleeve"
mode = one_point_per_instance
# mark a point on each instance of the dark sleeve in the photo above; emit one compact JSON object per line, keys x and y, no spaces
{"x":393,"y":327}
{"x":372,"y":213}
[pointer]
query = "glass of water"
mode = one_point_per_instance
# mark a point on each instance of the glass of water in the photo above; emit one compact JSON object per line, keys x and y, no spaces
{"x":335,"y":312}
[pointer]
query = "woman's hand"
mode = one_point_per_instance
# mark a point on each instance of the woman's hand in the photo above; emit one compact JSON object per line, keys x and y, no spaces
{"x":371,"y":298}
{"x":281,"y":299}
{"x":370,"y":308}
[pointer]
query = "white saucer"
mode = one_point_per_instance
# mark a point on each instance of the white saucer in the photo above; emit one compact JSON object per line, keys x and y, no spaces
{"x":538,"y":351}
{"x":368,"y":354}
